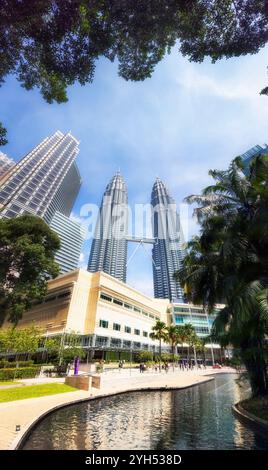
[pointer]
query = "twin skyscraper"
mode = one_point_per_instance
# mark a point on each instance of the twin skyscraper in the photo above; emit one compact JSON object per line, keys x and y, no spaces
{"x":110,"y":243}
{"x":46,"y":181}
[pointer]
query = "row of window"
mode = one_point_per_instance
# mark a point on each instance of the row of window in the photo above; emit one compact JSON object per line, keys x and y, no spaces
{"x":188,"y":309}
{"x":187,"y":318}
{"x":127,"y":306}
{"x":62,"y":295}
{"x":127,"y":329}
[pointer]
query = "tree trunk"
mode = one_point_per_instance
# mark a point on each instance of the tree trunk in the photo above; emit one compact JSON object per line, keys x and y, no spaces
{"x":160,"y":351}
{"x":253,"y":358}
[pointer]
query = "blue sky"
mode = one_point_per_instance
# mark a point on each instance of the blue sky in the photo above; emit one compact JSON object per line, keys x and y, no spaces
{"x":177,"y":125}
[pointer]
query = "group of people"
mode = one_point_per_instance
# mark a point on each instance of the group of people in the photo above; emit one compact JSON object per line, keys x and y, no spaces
{"x":190,"y":365}
{"x":157,"y":367}
{"x":121,"y":364}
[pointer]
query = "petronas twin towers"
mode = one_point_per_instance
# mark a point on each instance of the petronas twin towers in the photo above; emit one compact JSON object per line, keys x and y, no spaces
{"x":109,"y":246}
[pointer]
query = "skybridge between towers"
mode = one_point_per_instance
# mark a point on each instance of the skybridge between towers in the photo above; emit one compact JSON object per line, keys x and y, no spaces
{"x":141,"y":241}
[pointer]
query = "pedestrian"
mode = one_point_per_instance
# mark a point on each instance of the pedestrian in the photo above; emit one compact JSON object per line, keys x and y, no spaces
{"x":141,"y":367}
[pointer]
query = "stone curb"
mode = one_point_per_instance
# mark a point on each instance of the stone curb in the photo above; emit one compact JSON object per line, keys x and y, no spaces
{"x":23,"y":435}
{"x":248,"y":418}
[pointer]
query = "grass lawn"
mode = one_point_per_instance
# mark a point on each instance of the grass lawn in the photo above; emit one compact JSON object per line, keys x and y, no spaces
{"x":8,"y":382}
{"x":32,"y":391}
{"x":258,"y":406}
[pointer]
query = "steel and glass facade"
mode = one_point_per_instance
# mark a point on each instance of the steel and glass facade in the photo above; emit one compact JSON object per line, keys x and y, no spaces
{"x":183,"y":313}
{"x":109,"y":245}
{"x":37,"y":185}
{"x":46,"y":183}
{"x":167,"y":252}
{"x":71,"y":236}
{"x":251,"y":153}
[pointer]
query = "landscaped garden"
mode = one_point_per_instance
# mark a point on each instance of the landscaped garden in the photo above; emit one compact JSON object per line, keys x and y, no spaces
{"x":34,"y":391}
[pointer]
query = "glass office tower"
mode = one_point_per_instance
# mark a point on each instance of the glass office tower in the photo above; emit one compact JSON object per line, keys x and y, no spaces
{"x":168,"y":251}
{"x":250,"y":154}
{"x":71,"y":236}
{"x":44,"y":181}
{"x":109,"y":246}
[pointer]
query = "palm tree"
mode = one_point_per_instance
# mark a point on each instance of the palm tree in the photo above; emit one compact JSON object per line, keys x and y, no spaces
{"x":159,"y":332}
{"x":200,"y":348}
{"x":182,"y":335}
{"x":228,"y":262}
{"x":174,"y":338}
{"x":190,"y":337}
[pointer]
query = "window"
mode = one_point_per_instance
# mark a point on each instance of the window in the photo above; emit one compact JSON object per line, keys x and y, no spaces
{"x":128,"y":306}
{"x":64,"y":294}
{"x":179,"y":319}
{"x":145,"y":334}
{"x":103,"y":324}
{"x":106,"y":297}
{"x":127,"y":329}
{"x":49,"y":299}
{"x":101,"y":341}
{"x":145,"y":313}
{"x":137,"y":332}
{"x":116,"y":327}
{"x":136,"y":309}
{"x":115,"y":342}
{"x":181,"y":309}
{"x":118,"y":302}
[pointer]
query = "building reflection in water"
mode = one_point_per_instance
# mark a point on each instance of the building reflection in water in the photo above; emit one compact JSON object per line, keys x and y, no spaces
{"x":195,"y":418}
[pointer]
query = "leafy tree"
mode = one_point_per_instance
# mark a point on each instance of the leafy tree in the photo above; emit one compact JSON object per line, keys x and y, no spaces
{"x":27,"y":249}
{"x":65,"y":348}
{"x":144,"y":356}
{"x":228,"y":262}
{"x":3,"y":132}
{"x":19,"y":341}
{"x":59,"y":42}
{"x":159,"y":332}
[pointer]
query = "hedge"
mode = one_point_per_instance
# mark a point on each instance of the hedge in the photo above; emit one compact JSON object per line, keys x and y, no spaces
{"x":10,"y":365}
{"x":19,"y":373}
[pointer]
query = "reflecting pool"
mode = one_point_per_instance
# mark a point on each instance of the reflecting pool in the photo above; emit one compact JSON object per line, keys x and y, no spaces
{"x":195,"y":418}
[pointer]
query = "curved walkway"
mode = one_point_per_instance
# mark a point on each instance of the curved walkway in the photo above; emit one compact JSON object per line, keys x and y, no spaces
{"x":26,"y":413}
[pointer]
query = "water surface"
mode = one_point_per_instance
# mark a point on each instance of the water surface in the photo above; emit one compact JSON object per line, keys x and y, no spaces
{"x":195,"y":418}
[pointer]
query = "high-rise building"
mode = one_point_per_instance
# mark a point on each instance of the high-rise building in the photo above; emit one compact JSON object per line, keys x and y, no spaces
{"x":44,"y":181}
{"x":250,"y":154}
{"x":167,"y":251}
{"x":71,"y":236}
{"x":109,"y":245}
{"x":6,"y":164}
{"x":66,"y":195}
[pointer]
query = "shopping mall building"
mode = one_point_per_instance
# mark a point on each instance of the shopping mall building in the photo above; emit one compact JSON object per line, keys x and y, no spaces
{"x":113,"y":319}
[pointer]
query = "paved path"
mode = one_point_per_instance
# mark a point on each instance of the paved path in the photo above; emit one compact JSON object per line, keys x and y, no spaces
{"x":26,"y":412}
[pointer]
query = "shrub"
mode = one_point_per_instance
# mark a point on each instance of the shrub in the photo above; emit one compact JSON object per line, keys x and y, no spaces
{"x":167,"y":357}
{"x":144,"y":356}
{"x":10,"y":365}
{"x":19,"y":373}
